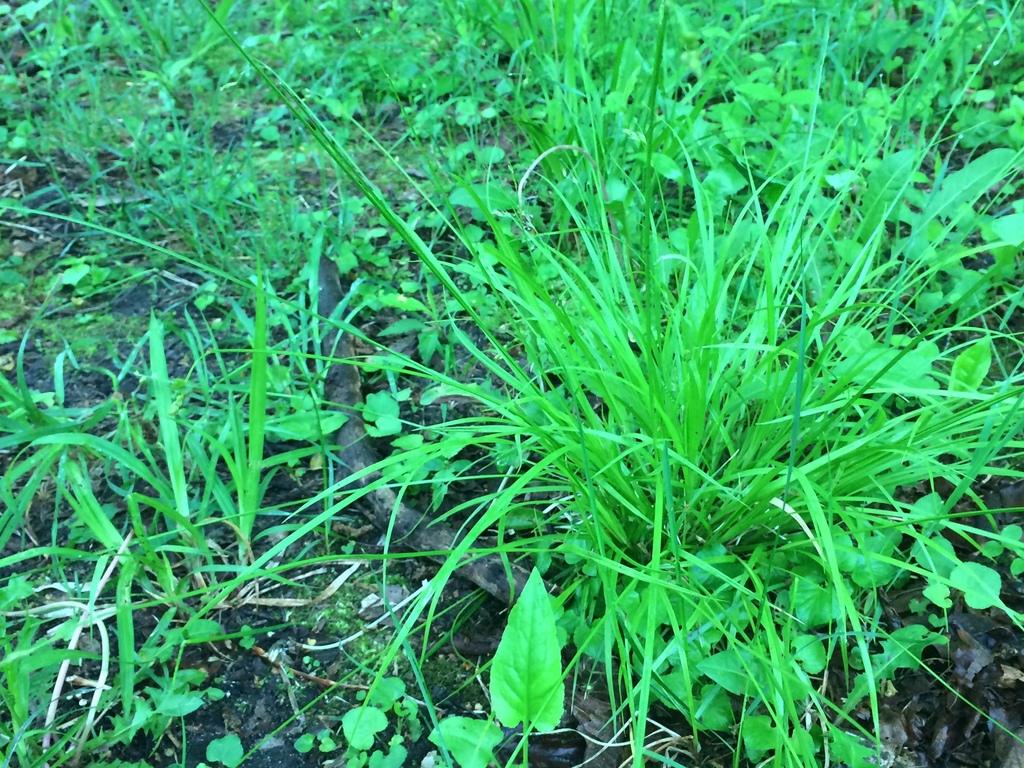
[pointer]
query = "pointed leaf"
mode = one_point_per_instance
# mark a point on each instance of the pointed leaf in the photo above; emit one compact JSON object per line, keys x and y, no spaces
{"x":971,"y":367}
{"x":968,"y":184}
{"x":666,"y":166}
{"x":526,"y":676}
{"x":731,"y":670}
{"x":881,"y":188}
{"x":491,"y":197}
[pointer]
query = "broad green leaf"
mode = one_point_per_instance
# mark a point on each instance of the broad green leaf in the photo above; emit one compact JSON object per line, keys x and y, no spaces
{"x":856,"y":341}
{"x":901,"y":650}
{"x":385,"y":426}
{"x":938,"y":594}
{"x":396,"y":758}
{"x":490,"y":197}
{"x":927,"y":508}
{"x":1010,"y":228}
{"x":381,"y":415}
{"x":470,"y":741}
{"x":380,"y":404}
{"x":842,"y":180}
{"x":199,"y":630}
{"x":15,"y":590}
{"x":226,"y":750}
{"x":401,"y":301}
{"x":759,"y":736}
{"x":881,"y":188}
{"x":303,"y":424}
{"x":616,"y":101}
{"x":980,"y":584}
{"x":968,"y":184}
{"x":758,"y":91}
{"x":386,"y":692}
{"x":866,"y":358}
{"x":801,"y":97}
{"x":666,"y":166}
{"x":971,"y":367}
{"x":812,"y":604}
{"x":936,"y":554}
{"x":848,"y":749}
{"x":361,"y":726}
{"x":871,"y":571}
{"x":490,"y":155}
{"x":715,"y":708}
{"x":809,"y":652}
{"x":175,"y":704}
{"x":526,"y":675}
{"x":722,"y":183}
{"x":73,"y":275}
{"x":731,"y":669}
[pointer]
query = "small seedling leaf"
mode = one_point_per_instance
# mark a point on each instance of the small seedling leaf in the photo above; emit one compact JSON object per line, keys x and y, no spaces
{"x":304,"y":743}
{"x":526,"y":676}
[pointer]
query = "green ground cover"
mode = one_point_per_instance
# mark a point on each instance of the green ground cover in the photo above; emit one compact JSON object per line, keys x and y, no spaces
{"x":705,"y":314}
